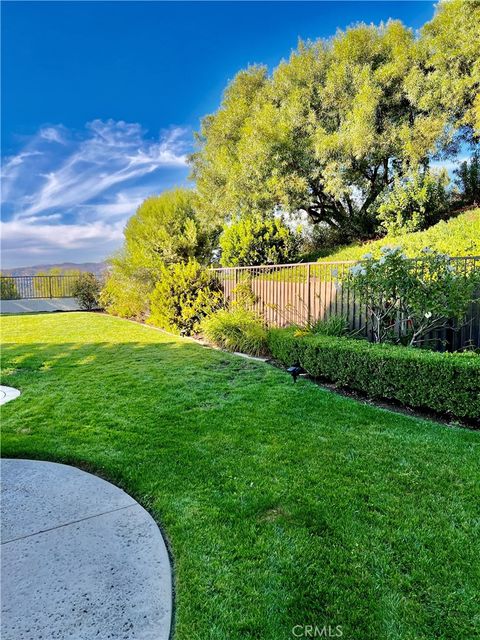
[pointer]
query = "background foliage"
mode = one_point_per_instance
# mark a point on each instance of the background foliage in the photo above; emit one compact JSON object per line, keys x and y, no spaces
{"x":165,"y":230}
{"x":415,"y":202}
{"x":458,"y":236}
{"x":255,"y":240}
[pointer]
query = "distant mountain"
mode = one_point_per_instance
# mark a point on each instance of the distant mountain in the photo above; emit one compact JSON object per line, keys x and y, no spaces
{"x":94,"y":267}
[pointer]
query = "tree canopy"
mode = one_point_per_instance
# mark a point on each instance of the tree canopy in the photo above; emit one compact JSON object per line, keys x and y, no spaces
{"x":335,"y":124}
{"x":165,"y":230}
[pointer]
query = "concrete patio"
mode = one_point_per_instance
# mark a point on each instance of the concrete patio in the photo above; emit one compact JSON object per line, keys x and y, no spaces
{"x":80,"y":558}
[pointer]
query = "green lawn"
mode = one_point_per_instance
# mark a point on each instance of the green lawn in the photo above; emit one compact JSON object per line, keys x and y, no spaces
{"x":283,"y":504}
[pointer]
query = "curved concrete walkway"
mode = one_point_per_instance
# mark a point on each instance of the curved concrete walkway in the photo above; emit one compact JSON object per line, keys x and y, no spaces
{"x":7,"y":394}
{"x":80,"y":559}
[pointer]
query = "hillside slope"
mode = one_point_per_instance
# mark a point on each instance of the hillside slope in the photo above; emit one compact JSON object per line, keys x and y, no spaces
{"x":458,"y":236}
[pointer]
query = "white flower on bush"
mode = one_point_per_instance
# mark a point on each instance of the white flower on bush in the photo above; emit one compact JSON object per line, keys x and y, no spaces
{"x":334,"y":273}
{"x":357,"y":270}
{"x":426,"y":250}
{"x":367,"y":256}
{"x":428,"y":315}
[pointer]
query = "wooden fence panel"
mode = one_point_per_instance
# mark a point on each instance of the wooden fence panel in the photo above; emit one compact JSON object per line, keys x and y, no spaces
{"x":308,"y":292}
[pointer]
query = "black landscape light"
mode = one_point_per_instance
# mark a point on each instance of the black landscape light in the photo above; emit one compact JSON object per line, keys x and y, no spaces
{"x":295,"y":371}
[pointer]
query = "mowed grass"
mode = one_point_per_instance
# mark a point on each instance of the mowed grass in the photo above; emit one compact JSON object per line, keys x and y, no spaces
{"x":283,"y":504}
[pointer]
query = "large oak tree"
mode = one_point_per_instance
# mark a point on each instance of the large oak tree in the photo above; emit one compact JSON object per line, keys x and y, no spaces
{"x":330,"y":129}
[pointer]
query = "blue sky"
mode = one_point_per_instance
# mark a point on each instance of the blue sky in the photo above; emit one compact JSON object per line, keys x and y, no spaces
{"x":100,"y":101}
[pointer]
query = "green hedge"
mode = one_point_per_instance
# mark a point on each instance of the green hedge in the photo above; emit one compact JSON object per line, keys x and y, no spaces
{"x":443,"y":382}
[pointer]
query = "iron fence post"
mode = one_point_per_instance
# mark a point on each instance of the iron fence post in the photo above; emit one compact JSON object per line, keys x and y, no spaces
{"x":308,"y":295}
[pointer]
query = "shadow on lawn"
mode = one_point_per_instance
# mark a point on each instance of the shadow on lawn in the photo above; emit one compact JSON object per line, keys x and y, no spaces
{"x":315,"y":502}
{"x":135,"y":374}
{"x":35,"y":356}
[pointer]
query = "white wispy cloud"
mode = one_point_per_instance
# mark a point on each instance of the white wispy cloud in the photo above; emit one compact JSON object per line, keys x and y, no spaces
{"x":52,"y":134}
{"x":22,"y":234}
{"x":64,"y":189}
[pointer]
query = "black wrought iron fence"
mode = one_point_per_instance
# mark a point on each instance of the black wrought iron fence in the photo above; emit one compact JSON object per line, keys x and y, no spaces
{"x":28,"y":287}
{"x":304,"y":293}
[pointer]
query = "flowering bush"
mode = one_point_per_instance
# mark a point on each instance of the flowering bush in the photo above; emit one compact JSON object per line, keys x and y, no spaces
{"x":405,"y":299}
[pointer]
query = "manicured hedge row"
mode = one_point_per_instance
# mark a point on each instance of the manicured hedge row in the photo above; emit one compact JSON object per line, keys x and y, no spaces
{"x":443,"y":382}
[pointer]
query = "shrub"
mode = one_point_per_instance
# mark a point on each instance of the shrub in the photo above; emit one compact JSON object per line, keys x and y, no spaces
{"x":332,"y":326}
{"x":8,"y":289}
{"x":86,"y":289}
{"x":126,"y":292}
{"x":255,"y":240}
{"x":184,"y":295}
{"x":443,"y":382}
{"x":236,"y":330}
{"x":165,"y":230}
{"x":415,"y":202}
{"x":243,"y":296}
{"x":406,"y":299}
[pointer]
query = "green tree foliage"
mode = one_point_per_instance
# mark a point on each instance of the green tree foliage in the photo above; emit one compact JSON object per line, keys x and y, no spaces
{"x":8,"y":288}
{"x":445,"y":82}
{"x":320,"y":135}
{"x":126,"y":291}
{"x":184,"y":294}
{"x":165,"y":230}
{"x":415,"y":202}
{"x":330,"y":129}
{"x":86,"y":289}
{"x":218,"y":164}
{"x":467,"y":181}
{"x":255,"y":239}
